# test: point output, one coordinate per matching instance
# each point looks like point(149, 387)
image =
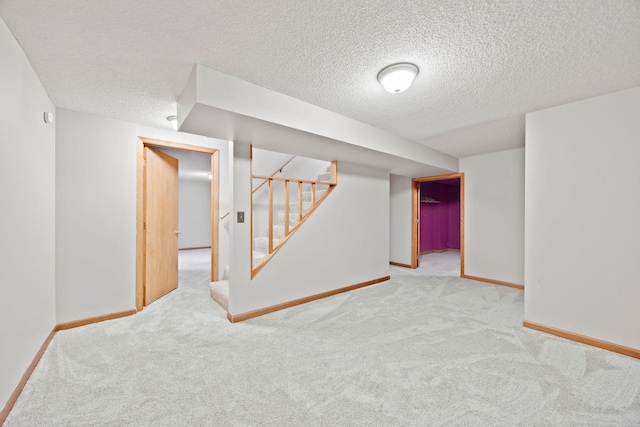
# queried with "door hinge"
point(144, 226)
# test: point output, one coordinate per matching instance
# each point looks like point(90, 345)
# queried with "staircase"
point(281, 224)
point(261, 244)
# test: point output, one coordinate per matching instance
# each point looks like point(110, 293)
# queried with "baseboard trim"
point(96, 319)
point(23, 381)
point(399, 264)
point(605, 345)
point(492, 281)
point(233, 318)
point(59, 327)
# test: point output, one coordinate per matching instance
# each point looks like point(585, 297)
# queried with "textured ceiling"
point(483, 64)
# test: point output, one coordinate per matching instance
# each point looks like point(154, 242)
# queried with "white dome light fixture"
point(397, 78)
point(174, 122)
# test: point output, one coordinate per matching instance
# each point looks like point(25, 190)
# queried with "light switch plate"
point(240, 216)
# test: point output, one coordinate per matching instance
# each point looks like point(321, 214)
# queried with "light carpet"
point(413, 351)
point(435, 264)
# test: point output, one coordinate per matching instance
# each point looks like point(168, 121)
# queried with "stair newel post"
point(299, 202)
point(270, 238)
point(286, 208)
point(334, 172)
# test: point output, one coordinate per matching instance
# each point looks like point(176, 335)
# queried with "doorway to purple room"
point(438, 209)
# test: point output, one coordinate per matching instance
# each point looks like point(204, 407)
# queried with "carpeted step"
point(293, 218)
point(278, 232)
point(260, 244)
point(319, 187)
point(293, 207)
point(261, 248)
point(326, 176)
point(306, 195)
point(220, 293)
point(258, 255)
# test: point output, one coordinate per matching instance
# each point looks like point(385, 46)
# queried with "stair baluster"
point(286, 207)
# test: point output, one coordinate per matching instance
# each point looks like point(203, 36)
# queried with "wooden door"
point(161, 224)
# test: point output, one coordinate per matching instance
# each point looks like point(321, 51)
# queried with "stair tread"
point(258, 255)
point(326, 176)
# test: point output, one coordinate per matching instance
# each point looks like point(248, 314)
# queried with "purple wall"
point(440, 222)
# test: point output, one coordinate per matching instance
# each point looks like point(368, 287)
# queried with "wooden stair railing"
point(302, 215)
point(279, 169)
point(223, 216)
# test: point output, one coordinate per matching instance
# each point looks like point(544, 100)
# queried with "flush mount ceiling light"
point(174, 121)
point(397, 78)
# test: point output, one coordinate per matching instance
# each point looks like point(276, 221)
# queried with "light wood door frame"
point(141, 209)
point(415, 216)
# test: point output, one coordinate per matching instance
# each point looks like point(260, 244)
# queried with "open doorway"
point(438, 225)
point(194, 217)
point(157, 229)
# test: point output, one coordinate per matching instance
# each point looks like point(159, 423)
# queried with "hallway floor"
point(434, 264)
point(194, 268)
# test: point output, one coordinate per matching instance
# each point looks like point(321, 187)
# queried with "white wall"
point(400, 219)
point(344, 242)
point(265, 161)
point(96, 212)
point(194, 213)
point(303, 168)
point(95, 216)
point(582, 207)
point(27, 212)
point(494, 215)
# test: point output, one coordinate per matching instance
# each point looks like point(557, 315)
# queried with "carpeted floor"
point(416, 350)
